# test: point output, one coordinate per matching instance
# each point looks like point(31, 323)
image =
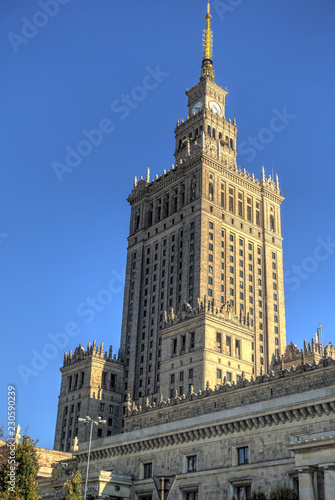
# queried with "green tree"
point(18, 473)
point(283, 493)
point(72, 487)
point(258, 495)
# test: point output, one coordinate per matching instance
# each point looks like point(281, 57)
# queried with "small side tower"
point(91, 385)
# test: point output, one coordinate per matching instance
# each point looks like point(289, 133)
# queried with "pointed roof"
point(207, 70)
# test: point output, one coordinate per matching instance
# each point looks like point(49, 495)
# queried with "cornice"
point(221, 427)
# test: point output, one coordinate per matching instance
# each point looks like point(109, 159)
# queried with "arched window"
point(179, 146)
point(150, 218)
point(222, 195)
point(193, 189)
point(137, 224)
point(210, 191)
point(166, 205)
point(213, 133)
point(182, 195)
point(231, 144)
point(272, 223)
point(209, 130)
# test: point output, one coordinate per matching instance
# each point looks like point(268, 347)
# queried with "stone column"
point(329, 474)
point(306, 490)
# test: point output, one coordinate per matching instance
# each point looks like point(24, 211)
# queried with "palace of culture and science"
point(204, 393)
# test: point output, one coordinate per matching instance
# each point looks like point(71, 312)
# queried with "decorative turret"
point(92, 350)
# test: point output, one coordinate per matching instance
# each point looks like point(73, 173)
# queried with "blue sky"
point(63, 235)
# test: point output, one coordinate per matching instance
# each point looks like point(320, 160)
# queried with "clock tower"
point(206, 109)
point(204, 291)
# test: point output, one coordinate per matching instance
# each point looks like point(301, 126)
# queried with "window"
point(229, 377)
point(219, 373)
point(102, 406)
point(192, 341)
point(190, 373)
point(191, 463)
point(99, 433)
point(242, 491)
point(110, 409)
point(243, 455)
point(192, 495)
point(147, 470)
point(172, 379)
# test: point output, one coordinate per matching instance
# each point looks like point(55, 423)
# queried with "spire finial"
point(207, 60)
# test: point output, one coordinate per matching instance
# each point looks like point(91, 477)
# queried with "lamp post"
point(90, 421)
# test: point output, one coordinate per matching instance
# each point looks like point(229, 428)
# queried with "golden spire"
point(207, 61)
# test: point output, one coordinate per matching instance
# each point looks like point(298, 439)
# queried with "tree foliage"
point(283, 493)
point(18, 473)
point(258, 495)
point(72, 487)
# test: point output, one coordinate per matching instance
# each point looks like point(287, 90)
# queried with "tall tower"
point(204, 291)
point(92, 381)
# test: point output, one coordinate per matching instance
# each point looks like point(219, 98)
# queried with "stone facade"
point(205, 228)
point(223, 442)
point(92, 383)
point(204, 388)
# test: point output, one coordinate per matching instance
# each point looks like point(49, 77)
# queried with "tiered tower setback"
point(204, 237)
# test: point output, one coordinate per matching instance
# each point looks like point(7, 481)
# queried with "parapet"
point(135, 409)
point(94, 351)
point(186, 311)
point(310, 353)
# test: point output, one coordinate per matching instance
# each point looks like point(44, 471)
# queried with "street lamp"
point(90, 421)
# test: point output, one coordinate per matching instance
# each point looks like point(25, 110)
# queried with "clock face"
point(215, 107)
point(197, 107)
